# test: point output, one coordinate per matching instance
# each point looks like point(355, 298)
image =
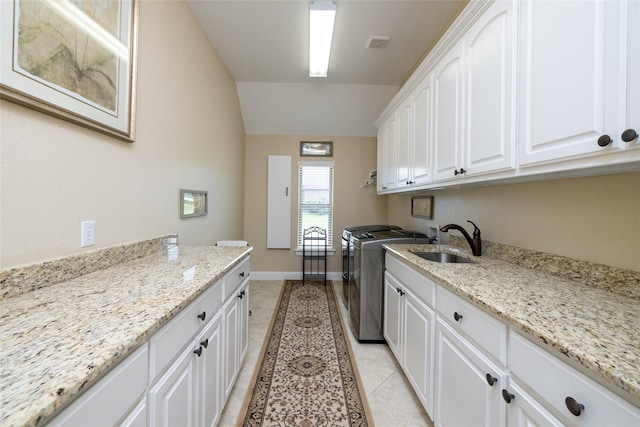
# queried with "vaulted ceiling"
point(264, 44)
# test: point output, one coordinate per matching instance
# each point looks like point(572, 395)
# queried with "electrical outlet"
point(88, 233)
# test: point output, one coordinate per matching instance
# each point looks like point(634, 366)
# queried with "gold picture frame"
point(72, 60)
point(193, 203)
point(422, 207)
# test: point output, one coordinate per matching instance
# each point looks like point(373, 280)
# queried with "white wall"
point(54, 174)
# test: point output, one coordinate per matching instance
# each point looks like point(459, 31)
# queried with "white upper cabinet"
point(404, 143)
point(422, 124)
point(387, 168)
point(572, 79)
point(447, 112)
point(632, 119)
point(489, 132)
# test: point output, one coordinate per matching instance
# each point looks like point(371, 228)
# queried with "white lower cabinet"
point(409, 328)
point(470, 368)
point(183, 375)
point(524, 411)
point(467, 384)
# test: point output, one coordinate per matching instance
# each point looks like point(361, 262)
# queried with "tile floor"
point(391, 398)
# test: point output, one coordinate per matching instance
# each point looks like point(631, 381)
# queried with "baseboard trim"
point(288, 275)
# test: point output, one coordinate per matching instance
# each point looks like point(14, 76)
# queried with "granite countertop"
point(598, 330)
point(57, 341)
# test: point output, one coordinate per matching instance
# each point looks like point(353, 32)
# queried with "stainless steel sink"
point(442, 257)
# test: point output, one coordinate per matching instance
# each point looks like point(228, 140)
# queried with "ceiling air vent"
point(377, 42)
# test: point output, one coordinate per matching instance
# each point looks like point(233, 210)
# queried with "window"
point(315, 198)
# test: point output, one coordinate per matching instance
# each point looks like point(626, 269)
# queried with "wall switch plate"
point(88, 233)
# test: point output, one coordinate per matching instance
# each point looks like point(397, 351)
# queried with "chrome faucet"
point(475, 243)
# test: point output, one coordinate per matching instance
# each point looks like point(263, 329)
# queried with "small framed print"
point(320, 149)
point(422, 207)
point(193, 203)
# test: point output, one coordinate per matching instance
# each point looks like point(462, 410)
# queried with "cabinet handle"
point(629, 135)
point(604, 140)
point(573, 406)
point(198, 351)
point(491, 380)
point(508, 397)
point(400, 291)
point(205, 343)
point(202, 315)
point(242, 274)
point(410, 182)
point(240, 295)
point(457, 316)
point(459, 172)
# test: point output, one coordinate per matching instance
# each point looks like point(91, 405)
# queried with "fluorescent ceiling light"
point(322, 14)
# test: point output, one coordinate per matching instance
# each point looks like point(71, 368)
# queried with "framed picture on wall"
point(73, 60)
point(193, 203)
point(422, 207)
point(319, 148)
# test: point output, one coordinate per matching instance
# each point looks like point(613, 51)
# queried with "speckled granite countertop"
point(57, 340)
point(598, 329)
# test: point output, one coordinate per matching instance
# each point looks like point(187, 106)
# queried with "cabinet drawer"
point(110, 398)
point(421, 286)
point(235, 277)
point(489, 333)
point(167, 342)
point(554, 381)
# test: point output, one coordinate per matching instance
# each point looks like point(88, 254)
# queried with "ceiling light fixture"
point(322, 14)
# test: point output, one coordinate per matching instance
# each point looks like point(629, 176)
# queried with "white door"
point(490, 83)
point(173, 399)
point(279, 202)
point(419, 321)
point(524, 411)
point(570, 73)
point(392, 314)
point(403, 142)
point(422, 124)
point(447, 111)
point(231, 337)
point(463, 396)
point(210, 377)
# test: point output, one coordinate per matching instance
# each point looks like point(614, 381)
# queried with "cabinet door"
point(571, 70)
point(419, 321)
point(172, 400)
point(490, 80)
point(403, 142)
point(392, 314)
point(463, 396)
point(231, 328)
point(525, 411)
point(210, 399)
point(632, 119)
point(447, 109)
point(137, 417)
point(389, 167)
point(243, 313)
point(279, 202)
point(422, 124)
point(382, 156)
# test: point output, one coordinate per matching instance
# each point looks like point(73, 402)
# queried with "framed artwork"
point(193, 203)
point(422, 207)
point(321, 149)
point(73, 60)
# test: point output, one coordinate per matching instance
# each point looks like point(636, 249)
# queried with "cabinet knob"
point(457, 316)
point(242, 274)
point(508, 397)
point(205, 343)
point(240, 295)
point(573, 406)
point(491, 380)
point(459, 172)
point(400, 291)
point(198, 351)
point(604, 140)
point(202, 315)
point(410, 182)
point(629, 135)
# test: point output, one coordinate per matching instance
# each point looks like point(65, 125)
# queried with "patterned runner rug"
point(306, 375)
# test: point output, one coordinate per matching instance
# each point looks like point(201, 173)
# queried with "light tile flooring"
point(391, 398)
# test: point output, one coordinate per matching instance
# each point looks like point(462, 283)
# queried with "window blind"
point(315, 198)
